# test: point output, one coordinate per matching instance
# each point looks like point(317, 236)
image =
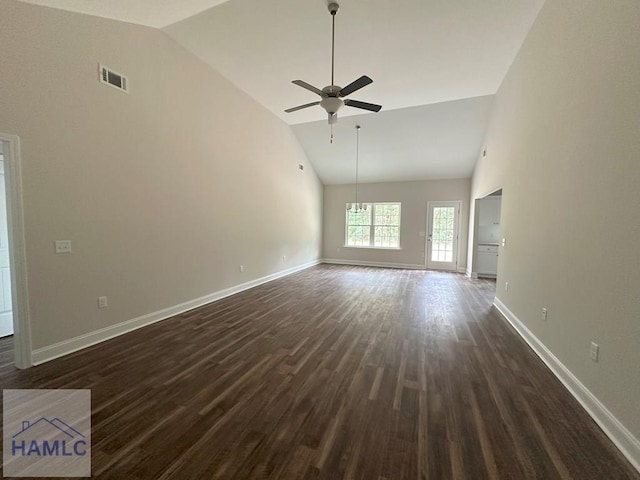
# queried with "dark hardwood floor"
point(333, 372)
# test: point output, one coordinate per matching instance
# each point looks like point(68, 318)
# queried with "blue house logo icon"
point(48, 438)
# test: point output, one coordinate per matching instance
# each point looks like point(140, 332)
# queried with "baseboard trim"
point(616, 431)
point(359, 263)
point(60, 349)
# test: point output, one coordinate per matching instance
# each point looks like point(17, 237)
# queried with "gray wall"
point(414, 197)
point(163, 192)
point(564, 144)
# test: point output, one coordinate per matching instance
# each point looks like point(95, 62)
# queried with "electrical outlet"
point(102, 302)
point(63, 246)
point(241, 268)
point(506, 286)
point(504, 242)
point(594, 351)
point(544, 314)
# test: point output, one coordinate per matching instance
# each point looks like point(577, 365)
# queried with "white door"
point(442, 238)
point(6, 317)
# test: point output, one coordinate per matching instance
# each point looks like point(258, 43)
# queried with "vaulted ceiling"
point(435, 65)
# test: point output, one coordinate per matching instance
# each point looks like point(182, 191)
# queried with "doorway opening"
point(487, 235)
point(443, 225)
point(14, 303)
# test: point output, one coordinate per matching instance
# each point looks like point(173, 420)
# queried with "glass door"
point(442, 237)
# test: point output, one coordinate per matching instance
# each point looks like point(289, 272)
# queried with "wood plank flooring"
point(334, 372)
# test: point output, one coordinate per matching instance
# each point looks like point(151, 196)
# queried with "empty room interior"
point(318, 240)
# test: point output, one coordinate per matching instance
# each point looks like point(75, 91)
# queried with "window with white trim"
point(376, 227)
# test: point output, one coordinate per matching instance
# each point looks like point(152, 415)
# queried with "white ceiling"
point(416, 51)
point(428, 53)
point(151, 13)
point(430, 141)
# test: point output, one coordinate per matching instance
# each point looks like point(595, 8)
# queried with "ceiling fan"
point(333, 94)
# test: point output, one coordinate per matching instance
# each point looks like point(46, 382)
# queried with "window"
point(376, 227)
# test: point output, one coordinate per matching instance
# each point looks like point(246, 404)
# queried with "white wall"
point(414, 197)
point(163, 192)
point(564, 144)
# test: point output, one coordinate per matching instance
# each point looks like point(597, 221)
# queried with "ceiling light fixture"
point(331, 95)
point(357, 207)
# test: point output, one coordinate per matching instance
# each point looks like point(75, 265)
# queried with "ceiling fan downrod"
point(333, 9)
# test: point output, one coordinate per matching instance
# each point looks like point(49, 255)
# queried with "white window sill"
point(371, 247)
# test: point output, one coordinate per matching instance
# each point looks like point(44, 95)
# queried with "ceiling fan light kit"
point(332, 95)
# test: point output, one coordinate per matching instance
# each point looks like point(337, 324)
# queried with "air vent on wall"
point(113, 79)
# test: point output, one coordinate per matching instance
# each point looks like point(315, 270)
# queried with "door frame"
point(456, 249)
point(17, 250)
point(472, 266)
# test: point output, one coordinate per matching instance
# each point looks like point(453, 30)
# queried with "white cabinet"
point(496, 211)
point(487, 260)
point(490, 211)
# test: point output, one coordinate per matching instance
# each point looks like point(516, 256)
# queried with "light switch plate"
point(63, 246)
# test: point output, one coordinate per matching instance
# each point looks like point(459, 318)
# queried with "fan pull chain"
point(331, 139)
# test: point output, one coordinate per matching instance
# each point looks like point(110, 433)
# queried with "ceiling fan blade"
point(304, 84)
point(300, 107)
point(363, 81)
point(363, 105)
